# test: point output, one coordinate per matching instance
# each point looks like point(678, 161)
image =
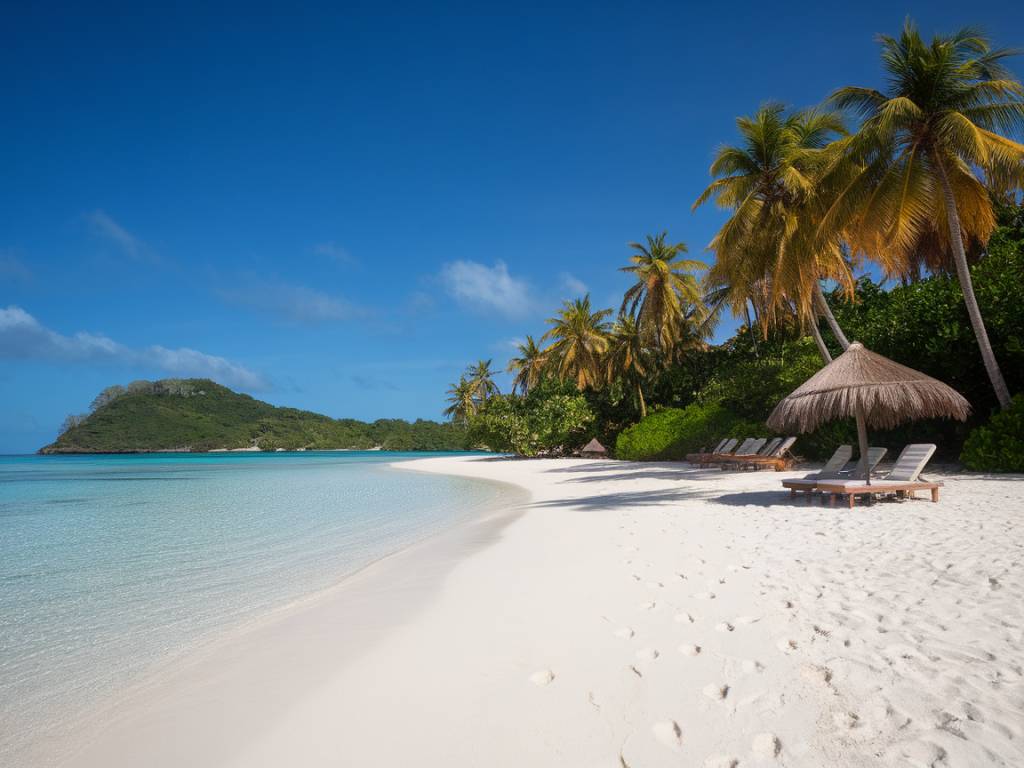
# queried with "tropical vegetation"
point(891, 214)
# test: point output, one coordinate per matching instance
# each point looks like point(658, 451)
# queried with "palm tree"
point(481, 379)
point(462, 401)
point(579, 339)
point(665, 287)
point(627, 356)
point(926, 146)
point(528, 368)
point(769, 251)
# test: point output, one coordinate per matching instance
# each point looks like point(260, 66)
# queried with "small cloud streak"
point(334, 252)
point(573, 284)
point(487, 288)
point(106, 228)
point(294, 303)
point(22, 337)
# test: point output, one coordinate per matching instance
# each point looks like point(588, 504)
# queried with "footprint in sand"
point(705, 596)
point(647, 654)
point(685, 618)
point(655, 584)
point(721, 761)
point(625, 633)
point(725, 626)
point(752, 665)
point(542, 678)
point(766, 746)
point(787, 646)
point(716, 691)
point(669, 733)
point(746, 620)
point(648, 606)
point(689, 650)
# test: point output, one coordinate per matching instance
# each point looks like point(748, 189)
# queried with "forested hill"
point(201, 415)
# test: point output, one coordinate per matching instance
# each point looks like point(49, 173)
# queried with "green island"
point(201, 415)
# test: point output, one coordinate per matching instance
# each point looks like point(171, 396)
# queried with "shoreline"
point(640, 615)
point(178, 681)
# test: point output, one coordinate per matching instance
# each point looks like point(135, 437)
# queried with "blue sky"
point(338, 208)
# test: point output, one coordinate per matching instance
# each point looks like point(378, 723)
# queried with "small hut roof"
point(594, 447)
point(885, 392)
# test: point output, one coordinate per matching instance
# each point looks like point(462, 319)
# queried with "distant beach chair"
point(831, 471)
point(724, 445)
point(711, 459)
point(903, 479)
point(777, 456)
point(756, 449)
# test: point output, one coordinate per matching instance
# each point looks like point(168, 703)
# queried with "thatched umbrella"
point(874, 390)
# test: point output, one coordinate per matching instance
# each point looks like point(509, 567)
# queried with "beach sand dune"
point(648, 615)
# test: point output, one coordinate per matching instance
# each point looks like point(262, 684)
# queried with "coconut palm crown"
point(665, 289)
point(628, 357)
point(528, 368)
point(769, 250)
point(461, 401)
point(579, 339)
point(481, 379)
point(927, 147)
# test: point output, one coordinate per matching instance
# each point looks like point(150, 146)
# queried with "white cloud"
point(487, 288)
point(334, 252)
point(104, 226)
point(295, 303)
point(573, 285)
point(22, 337)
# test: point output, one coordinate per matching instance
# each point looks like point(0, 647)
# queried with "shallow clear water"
point(110, 564)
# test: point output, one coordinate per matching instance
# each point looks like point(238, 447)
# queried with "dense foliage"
point(199, 415)
point(671, 433)
point(999, 445)
point(552, 418)
point(924, 324)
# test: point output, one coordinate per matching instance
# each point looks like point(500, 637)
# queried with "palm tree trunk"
point(964, 274)
point(822, 349)
point(750, 328)
point(823, 306)
point(643, 405)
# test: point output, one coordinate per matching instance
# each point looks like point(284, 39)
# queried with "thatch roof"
point(594, 447)
point(885, 392)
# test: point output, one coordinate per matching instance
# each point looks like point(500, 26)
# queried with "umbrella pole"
point(862, 439)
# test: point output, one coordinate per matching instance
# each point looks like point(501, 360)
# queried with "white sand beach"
point(631, 615)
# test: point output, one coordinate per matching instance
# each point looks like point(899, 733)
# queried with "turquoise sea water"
point(112, 564)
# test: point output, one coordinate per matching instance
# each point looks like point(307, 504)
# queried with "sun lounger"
point(724, 445)
point(903, 479)
point(753, 449)
point(848, 472)
point(745, 448)
point(831, 471)
point(764, 449)
point(778, 458)
point(724, 450)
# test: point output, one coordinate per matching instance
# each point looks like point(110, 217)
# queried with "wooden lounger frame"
point(901, 489)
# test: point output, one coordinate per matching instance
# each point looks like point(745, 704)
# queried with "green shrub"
point(671, 433)
point(998, 446)
point(552, 418)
